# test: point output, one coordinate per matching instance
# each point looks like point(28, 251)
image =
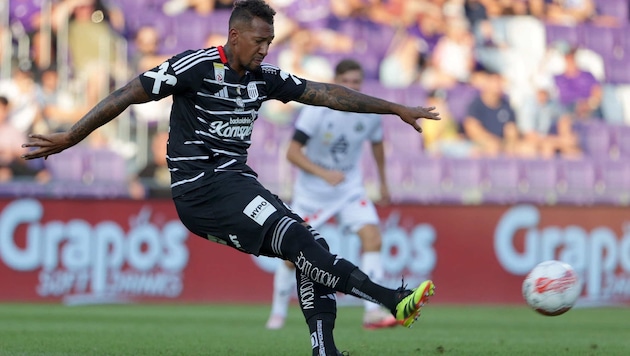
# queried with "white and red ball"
point(552, 288)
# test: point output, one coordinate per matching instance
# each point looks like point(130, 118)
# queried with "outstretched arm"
point(340, 98)
point(104, 112)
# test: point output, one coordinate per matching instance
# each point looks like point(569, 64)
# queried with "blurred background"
point(531, 157)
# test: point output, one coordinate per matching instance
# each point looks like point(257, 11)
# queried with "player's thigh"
point(358, 213)
point(237, 211)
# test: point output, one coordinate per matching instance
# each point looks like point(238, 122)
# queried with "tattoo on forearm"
point(108, 109)
point(340, 98)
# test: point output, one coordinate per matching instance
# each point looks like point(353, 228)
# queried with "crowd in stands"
point(520, 84)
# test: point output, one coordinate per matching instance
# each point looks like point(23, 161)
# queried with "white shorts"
point(351, 214)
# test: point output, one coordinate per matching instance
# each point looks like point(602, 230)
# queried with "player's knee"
point(295, 238)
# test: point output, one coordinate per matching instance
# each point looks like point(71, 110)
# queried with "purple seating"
point(600, 39)
point(613, 182)
point(539, 181)
point(594, 138)
point(502, 177)
point(617, 68)
point(458, 100)
point(576, 179)
point(614, 8)
point(427, 175)
point(621, 141)
point(400, 138)
point(67, 166)
point(556, 33)
point(462, 181)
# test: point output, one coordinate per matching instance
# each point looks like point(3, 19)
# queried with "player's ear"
point(233, 35)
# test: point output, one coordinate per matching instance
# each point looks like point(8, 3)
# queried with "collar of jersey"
point(222, 55)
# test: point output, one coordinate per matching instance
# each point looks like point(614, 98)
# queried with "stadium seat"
point(576, 181)
point(595, 138)
point(462, 182)
point(600, 39)
point(559, 33)
point(539, 181)
point(458, 99)
point(614, 8)
point(621, 141)
point(427, 175)
point(501, 180)
point(613, 182)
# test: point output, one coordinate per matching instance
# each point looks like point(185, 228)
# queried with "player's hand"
point(334, 177)
point(47, 144)
point(411, 115)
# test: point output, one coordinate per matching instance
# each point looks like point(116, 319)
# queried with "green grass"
point(239, 330)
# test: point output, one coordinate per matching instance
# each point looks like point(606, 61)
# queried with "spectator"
point(547, 126)
point(445, 139)
point(569, 12)
point(579, 91)
point(153, 180)
point(146, 53)
point(59, 107)
point(202, 7)
point(453, 58)
point(11, 139)
point(21, 91)
point(491, 123)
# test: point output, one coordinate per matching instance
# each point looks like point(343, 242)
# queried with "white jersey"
point(336, 141)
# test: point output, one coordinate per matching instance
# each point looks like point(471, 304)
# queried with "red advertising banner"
point(92, 251)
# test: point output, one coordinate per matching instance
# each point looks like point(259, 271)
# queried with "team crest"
point(252, 91)
point(219, 72)
point(239, 102)
point(358, 127)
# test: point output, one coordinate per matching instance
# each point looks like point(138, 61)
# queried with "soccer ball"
point(551, 288)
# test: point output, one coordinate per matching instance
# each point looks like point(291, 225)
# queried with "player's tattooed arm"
point(108, 109)
point(105, 111)
point(338, 97)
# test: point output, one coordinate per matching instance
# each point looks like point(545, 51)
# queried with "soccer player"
point(327, 146)
point(217, 93)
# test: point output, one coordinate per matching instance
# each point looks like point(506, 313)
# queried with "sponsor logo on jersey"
point(225, 130)
point(259, 210)
point(219, 72)
point(252, 91)
point(160, 76)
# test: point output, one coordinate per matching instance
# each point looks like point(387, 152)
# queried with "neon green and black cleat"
point(408, 309)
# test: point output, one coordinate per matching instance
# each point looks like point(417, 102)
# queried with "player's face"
point(351, 79)
point(252, 43)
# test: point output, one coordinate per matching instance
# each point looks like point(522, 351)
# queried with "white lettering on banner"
point(599, 256)
point(75, 257)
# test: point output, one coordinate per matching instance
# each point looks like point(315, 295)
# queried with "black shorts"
point(236, 211)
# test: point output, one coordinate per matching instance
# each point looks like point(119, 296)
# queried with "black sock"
point(321, 327)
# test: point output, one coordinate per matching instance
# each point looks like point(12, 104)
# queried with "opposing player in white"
point(327, 147)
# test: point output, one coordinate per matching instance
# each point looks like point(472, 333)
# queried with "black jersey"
point(213, 112)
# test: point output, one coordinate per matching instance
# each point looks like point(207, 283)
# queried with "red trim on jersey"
point(222, 54)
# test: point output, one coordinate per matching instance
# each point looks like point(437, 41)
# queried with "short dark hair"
point(347, 65)
point(246, 10)
point(4, 101)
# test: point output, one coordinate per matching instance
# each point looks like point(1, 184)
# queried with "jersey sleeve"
point(282, 85)
point(377, 132)
point(177, 75)
point(309, 119)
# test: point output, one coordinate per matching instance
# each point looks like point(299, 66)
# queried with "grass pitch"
point(239, 330)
